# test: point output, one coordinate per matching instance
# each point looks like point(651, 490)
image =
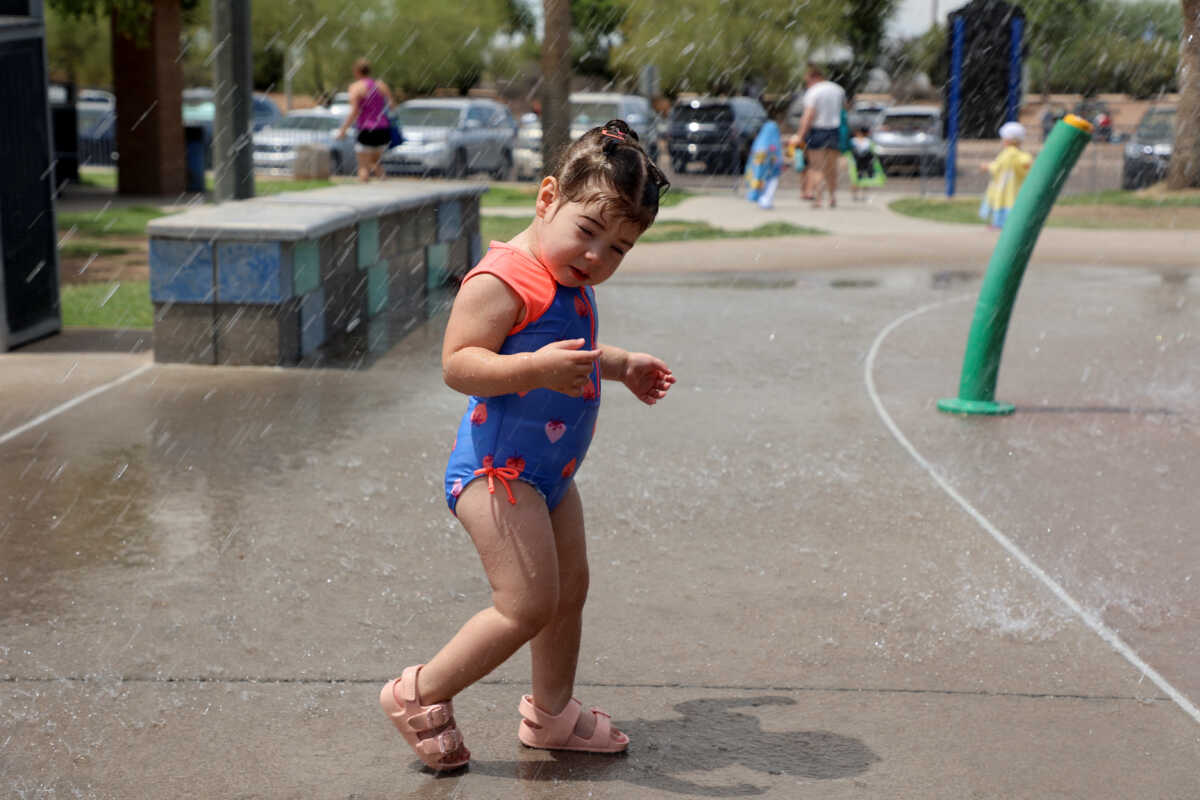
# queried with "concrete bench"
point(296, 277)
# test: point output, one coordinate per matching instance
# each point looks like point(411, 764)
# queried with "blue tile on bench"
point(253, 272)
point(181, 271)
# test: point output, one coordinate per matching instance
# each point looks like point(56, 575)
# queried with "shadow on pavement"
point(710, 735)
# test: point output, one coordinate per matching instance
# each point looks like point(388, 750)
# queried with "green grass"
point(958, 209)
point(685, 230)
point(107, 305)
point(525, 195)
point(492, 227)
point(106, 178)
point(966, 209)
point(126, 221)
point(500, 229)
point(1117, 197)
point(100, 177)
point(83, 248)
point(509, 196)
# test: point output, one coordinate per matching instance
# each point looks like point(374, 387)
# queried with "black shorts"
point(822, 138)
point(375, 137)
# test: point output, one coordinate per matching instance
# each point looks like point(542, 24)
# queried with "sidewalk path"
point(869, 234)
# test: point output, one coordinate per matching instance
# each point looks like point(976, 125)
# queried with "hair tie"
point(618, 135)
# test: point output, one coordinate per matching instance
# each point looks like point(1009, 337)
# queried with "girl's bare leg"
point(517, 546)
point(364, 165)
point(555, 650)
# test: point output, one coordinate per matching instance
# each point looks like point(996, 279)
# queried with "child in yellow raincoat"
point(1008, 172)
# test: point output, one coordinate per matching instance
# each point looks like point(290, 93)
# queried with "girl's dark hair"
point(608, 165)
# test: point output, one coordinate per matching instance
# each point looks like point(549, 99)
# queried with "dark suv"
point(1148, 152)
point(715, 130)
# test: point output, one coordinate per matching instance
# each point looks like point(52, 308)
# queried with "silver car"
point(911, 136)
point(589, 109)
point(453, 136)
point(275, 145)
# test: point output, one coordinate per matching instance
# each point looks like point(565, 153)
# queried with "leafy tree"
point(1050, 27)
point(79, 48)
point(722, 46)
point(518, 18)
point(414, 45)
point(906, 59)
point(593, 25)
point(864, 23)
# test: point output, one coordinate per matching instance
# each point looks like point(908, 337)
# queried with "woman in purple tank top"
point(369, 103)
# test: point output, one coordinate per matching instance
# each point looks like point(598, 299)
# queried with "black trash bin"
point(193, 137)
point(65, 124)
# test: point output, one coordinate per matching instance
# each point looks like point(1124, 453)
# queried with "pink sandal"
point(557, 732)
point(429, 730)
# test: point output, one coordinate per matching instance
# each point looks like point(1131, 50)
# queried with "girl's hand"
point(565, 368)
point(647, 377)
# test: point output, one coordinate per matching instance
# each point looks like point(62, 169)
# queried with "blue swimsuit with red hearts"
point(539, 436)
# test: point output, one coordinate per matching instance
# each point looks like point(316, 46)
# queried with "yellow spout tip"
point(1078, 122)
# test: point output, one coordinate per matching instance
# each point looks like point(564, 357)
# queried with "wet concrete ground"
point(209, 572)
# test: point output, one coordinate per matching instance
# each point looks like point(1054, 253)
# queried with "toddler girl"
point(521, 342)
point(1008, 172)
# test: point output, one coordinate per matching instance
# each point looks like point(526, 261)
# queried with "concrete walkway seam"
point(67, 406)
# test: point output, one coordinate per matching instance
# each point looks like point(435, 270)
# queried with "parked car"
point(340, 104)
point(588, 109)
point(1148, 151)
point(865, 114)
point(1050, 118)
point(453, 136)
point(527, 151)
point(1097, 113)
point(715, 130)
point(911, 136)
point(275, 145)
point(199, 110)
point(97, 97)
point(96, 132)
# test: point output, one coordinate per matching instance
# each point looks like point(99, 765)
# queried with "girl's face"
point(581, 244)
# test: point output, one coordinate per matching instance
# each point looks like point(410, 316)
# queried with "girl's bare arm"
point(485, 310)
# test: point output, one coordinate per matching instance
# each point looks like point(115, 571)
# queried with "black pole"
point(232, 146)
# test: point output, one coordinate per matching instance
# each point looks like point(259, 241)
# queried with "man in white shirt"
point(819, 127)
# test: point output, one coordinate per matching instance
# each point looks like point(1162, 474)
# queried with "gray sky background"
point(913, 17)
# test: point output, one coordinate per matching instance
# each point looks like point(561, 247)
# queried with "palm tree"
point(556, 81)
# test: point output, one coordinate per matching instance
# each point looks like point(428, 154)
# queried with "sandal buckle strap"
point(431, 717)
point(443, 744)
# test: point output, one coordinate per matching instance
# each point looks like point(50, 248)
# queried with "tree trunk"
point(1185, 159)
point(148, 83)
point(556, 82)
